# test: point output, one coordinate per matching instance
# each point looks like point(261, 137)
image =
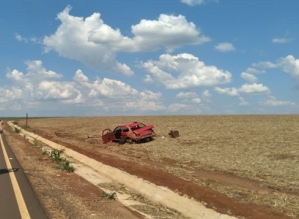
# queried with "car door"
point(107, 136)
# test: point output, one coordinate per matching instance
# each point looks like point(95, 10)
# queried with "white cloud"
point(189, 96)
point(149, 101)
point(196, 100)
point(168, 31)
point(73, 39)
point(111, 88)
point(225, 47)
point(47, 88)
point(186, 95)
point(245, 88)
point(15, 75)
point(26, 40)
point(53, 90)
point(80, 77)
point(228, 91)
point(249, 77)
point(253, 88)
point(197, 2)
point(20, 38)
point(177, 107)
point(272, 101)
point(206, 93)
point(148, 79)
point(96, 44)
point(254, 71)
point(191, 72)
point(288, 64)
point(281, 40)
point(36, 71)
point(265, 65)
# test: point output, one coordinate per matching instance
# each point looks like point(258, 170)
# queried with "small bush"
point(55, 155)
point(112, 195)
point(64, 164)
point(36, 144)
point(45, 152)
point(17, 130)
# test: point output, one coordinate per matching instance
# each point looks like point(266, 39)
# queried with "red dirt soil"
point(212, 199)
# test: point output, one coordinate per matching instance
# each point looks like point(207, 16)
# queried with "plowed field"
point(247, 166)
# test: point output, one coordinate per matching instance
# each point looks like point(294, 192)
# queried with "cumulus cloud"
point(52, 90)
point(111, 88)
point(96, 44)
point(185, 71)
point(40, 88)
point(228, 91)
point(281, 40)
point(168, 31)
point(288, 64)
point(176, 107)
point(254, 71)
point(196, 100)
point(249, 77)
point(225, 47)
point(272, 101)
point(253, 88)
point(206, 95)
point(186, 95)
point(148, 79)
point(265, 65)
point(35, 72)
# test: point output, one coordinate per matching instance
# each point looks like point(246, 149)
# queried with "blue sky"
point(148, 57)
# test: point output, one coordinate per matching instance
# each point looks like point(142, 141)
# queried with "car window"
point(117, 129)
point(125, 129)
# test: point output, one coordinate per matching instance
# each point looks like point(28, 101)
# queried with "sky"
point(148, 57)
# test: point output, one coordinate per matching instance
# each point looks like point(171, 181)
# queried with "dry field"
point(252, 159)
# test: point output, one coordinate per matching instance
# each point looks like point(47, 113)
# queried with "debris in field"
point(174, 133)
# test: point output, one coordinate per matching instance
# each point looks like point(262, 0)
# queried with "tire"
point(129, 140)
point(122, 141)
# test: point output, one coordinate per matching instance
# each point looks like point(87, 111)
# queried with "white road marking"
point(18, 194)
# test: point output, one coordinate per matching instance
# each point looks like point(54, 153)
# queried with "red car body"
point(128, 132)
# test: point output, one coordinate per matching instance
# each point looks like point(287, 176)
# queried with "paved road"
point(17, 199)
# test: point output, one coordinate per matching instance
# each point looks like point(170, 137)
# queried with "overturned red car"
point(129, 132)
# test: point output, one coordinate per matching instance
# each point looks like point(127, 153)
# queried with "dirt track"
point(186, 176)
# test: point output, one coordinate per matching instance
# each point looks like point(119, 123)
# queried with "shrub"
point(111, 195)
point(64, 164)
point(17, 130)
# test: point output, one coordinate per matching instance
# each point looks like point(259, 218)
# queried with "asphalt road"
point(17, 199)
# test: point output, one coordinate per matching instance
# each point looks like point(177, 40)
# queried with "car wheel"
point(129, 140)
point(122, 141)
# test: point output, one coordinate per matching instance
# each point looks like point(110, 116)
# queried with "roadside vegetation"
point(54, 154)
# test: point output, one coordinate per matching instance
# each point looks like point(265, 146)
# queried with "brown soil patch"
point(63, 195)
point(246, 166)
